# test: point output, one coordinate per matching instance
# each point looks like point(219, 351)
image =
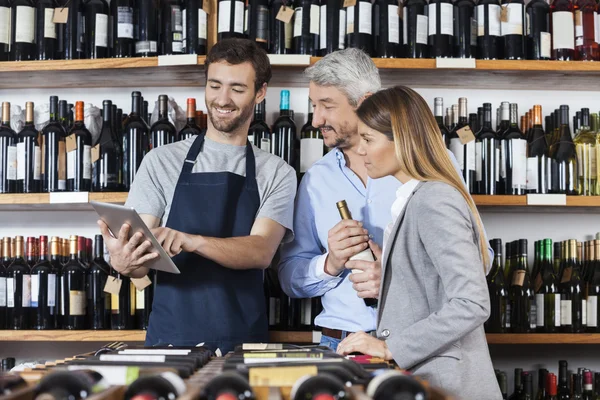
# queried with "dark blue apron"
point(207, 302)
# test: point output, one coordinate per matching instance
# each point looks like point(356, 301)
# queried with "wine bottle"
point(489, 43)
point(29, 156)
point(551, 387)
point(6, 244)
point(498, 292)
point(231, 19)
point(311, 143)
point(441, 28)
point(512, 17)
point(171, 41)
point(57, 266)
point(486, 155)
point(359, 26)
point(135, 141)
point(284, 132)
point(167, 385)
point(259, 132)
point(332, 34)
point(146, 44)
point(8, 153)
point(123, 29)
point(527, 386)
point(473, 123)
point(542, 377)
point(386, 29)
point(518, 385)
point(195, 23)
point(76, 385)
point(585, 147)
point(54, 154)
point(46, 30)
point(415, 26)
point(365, 255)
point(588, 392)
point(71, 37)
point(563, 30)
point(465, 35)
point(564, 158)
point(143, 303)
point(521, 293)
point(258, 23)
point(586, 47)
point(464, 153)
point(96, 29)
point(18, 289)
point(547, 294)
point(5, 33)
point(228, 385)
point(438, 111)
point(537, 161)
point(23, 44)
point(43, 291)
point(593, 291)
point(107, 156)
point(281, 32)
point(121, 304)
point(190, 130)
point(514, 156)
point(563, 392)
point(539, 40)
point(74, 285)
point(82, 251)
point(321, 386)
point(306, 27)
point(162, 132)
point(98, 302)
point(79, 154)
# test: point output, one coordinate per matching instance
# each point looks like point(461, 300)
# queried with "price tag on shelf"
point(285, 14)
point(61, 15)
point(69, 197)
point(546, 199)
point(141, 283)
point(113, 285)
point(177, 59)
point(465, 135)
point(455, 63)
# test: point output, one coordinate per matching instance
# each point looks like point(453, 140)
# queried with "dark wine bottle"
point(464, 153)
point(564, 392)
point(143, 303)
point(539, 40)
point(98, 302)
point(123, 28)
point(496, 323)
point(23, 44)
point(54, 153)
point(228, 385)
point(57, 266)
point(323, 385)
point(146, 44)
point(359, 26)
point(135, 141)
point(465, 29)
point(6, 249)
point(195, 31)
point(332, 34)
point(122, 306)
point(171, 37)
point(29, 155)
point(96, 29)
point(441, 28)
point(43, 291)
point(284, 133)
point(231, 19)
point(572, 299)
point(486, 155)
point(18, 289)
point(8, 153)
point(71, 37)
point(593, 291)
point(259, 133)
point(46, 30)
point(74, 385)
point(547, 295)
point(521, 293)
point(306, 27)
point(31, 251)
point(563, 171)
point(162, 132)
point(395, 385)
point(518, 390)
point(190, 129)
point(281, 32)
point(311, 143)
point(439, 118)
point(563, 30)
point(586, 47)
point(514, 156)
point(512, 17)
point(167, 385)
point(538, 162)
point(258, 23)
point(415, 29)
point(106, 176)
point(74, 285)
point(79, 154)
point(489, 43)
point(386, 29)
point(5, 33)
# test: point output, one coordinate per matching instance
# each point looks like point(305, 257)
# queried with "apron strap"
point(192, 154)
point(250, 168)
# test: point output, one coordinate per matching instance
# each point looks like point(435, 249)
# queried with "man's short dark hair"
point(238, 51)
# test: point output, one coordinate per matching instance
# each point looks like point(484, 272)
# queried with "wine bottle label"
point(342, 36)
point(566, 313)
point(76, 302)
point(25, 25)
point(446, 19)
point(49, 25)
point(478, 162)
point(87, 162)
point(184, 21)
point(2, 292)
point(146, 47)
point(239, 17)
point(563, 26)
point(5, 25)
point(10, 292)
point(393, 25)
point(514, 23)
point(532, 315)
point(132, 358)
point(35, 290)
point(493, 20)
point(101, 37)
point(289, 35)
point(592, 311)
point(311, 151)
point(20, 161)
point(125, 22)
point(80, 31)
point(498, 163)
point(202, 24)
point(578, 28)
point(114, 303)
point(265, 145)
point(584, 312)
point(473, 32)
point(507, 319)
point(519, 163)
point(51, 290)
point(503, 160)
point(365, 17)
point(422, 22)
point(37, 159)
point(12, 163)
point(323, 28)
point(177, 24)
point(224, 16)
point(315, 15)
point(539, 304)
point(62, 294)
point(140, 301)
point(470, 151)
point(457, 148)
point(350, 20)
point(596, 31)
point(306, 312)
point(71, 160)
point(26, 291)
point(518, 277)
point(298, 22)
point(557, 313)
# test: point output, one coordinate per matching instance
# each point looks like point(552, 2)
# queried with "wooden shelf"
point(42, 201)
point(575, 204)
point(543, 338)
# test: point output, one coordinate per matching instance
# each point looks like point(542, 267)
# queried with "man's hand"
point(126, 255)
point(363, 343)
point(345, 240)
point(174, 242)
point(368, 280)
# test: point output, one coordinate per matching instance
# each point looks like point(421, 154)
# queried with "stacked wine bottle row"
point(520, 156)
point(61, 284)
point(580, 385)
point(559, 294)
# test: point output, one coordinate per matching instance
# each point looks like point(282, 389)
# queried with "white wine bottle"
point(365, 255)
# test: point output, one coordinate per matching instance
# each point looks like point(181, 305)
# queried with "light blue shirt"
point(301, 270)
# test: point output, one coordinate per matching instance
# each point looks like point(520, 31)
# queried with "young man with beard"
point(219, 206)
point(317, 262)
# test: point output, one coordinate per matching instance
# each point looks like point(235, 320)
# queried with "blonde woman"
point(433, 297)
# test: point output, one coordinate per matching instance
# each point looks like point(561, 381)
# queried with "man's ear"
point(261, 94)
point(363, 98)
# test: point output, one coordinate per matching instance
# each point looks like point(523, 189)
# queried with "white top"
point(402, 195)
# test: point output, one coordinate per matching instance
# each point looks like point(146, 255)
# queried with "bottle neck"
point(136, 105)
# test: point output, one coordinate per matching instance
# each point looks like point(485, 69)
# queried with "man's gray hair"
point(351, 71)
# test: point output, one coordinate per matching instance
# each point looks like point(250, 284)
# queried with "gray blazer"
point(434, 297)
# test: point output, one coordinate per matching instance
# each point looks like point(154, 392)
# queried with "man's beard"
point(341, 139)
point(232, 125)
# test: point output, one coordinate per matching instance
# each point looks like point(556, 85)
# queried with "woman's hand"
point(361, 342)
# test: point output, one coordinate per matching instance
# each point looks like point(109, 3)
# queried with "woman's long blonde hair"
point(405, 118)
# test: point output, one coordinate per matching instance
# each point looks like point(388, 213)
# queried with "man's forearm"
point(246, 252)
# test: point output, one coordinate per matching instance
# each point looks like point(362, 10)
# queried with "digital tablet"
point(115, 216)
